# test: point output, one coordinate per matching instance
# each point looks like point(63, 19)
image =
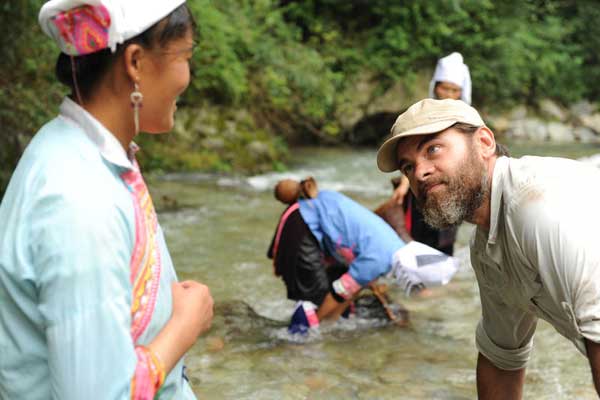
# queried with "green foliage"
point(223, 74)
point(214, 139)
point(249, 56)
point(585, 17)
point(517, 50)
point(296, 69)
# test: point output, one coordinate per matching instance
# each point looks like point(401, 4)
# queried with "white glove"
point(418, 265)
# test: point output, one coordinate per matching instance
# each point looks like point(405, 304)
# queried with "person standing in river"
point(535, 250)
point(90, 307)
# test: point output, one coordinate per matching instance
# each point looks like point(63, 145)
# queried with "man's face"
point(446, 174)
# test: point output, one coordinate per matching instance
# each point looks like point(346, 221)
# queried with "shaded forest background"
point(269, 75)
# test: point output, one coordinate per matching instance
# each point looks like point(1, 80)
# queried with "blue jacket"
point(352, 234)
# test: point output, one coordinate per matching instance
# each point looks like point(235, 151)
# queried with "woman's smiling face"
point(165, 78)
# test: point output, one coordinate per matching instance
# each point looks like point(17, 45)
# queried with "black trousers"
point(300, 262)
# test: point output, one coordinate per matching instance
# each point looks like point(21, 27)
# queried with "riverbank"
point(218, 139)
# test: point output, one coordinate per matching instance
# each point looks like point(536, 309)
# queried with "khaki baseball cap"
point(425, 117)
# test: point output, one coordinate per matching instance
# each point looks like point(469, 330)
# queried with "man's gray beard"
point(464, 194)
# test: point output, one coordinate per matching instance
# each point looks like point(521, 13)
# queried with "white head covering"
point(452, 69)
point(85, 26)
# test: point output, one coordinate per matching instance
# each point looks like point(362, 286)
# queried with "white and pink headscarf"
point(85, 26)
point(452, 69)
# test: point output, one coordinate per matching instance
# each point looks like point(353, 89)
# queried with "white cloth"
point(540, 258)
point(128, 18)
point(452, 69)
point(417, 264)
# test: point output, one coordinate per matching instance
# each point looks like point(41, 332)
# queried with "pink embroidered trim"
point(311, 316)
point(148, 377)
point(346, 286)
point(140, 239)
point(145, 264)
point(282, 222)
point(84, 29)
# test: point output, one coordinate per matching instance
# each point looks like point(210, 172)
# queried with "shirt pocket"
point(489, 275)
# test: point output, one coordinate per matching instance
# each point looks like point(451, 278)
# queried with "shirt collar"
point(496, 197)
point(108, 145)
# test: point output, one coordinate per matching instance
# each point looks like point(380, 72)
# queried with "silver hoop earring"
point(136, 98)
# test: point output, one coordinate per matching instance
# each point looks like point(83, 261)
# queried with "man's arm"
point(593, 352)
point(504, 338)
point(494, 383)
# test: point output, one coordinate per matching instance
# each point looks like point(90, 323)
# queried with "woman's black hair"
point(90, 68)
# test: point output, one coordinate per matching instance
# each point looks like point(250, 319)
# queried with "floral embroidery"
point(149, 375)
point(84, 29)
point(144, 275)
point(346, 286)
point(145, 260)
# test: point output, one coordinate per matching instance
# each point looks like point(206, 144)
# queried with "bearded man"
point(535, 251)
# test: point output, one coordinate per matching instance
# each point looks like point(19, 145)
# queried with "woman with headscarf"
point(451, 79)
point(90, 307)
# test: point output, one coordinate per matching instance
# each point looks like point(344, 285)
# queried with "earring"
point(136, 98)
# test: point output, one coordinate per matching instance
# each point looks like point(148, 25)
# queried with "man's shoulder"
point(544, 193)
point(541, 168)
point(533, 178)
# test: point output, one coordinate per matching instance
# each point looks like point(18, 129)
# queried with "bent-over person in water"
point(327, 247)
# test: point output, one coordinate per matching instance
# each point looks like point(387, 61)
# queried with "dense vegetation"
point(268, 73)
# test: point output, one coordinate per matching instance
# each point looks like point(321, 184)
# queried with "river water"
point(218, 230)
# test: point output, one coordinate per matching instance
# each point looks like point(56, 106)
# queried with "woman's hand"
point(192, 309)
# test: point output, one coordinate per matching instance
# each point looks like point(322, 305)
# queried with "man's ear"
point(133, 59)
point(487, 142)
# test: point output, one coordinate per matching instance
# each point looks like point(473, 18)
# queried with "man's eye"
point(433, 149)
point(406, 169)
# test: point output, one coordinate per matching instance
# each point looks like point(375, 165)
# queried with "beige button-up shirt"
point(540, 258)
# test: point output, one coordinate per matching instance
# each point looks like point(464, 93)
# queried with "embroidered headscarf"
point(452, 69)
point(82, 27)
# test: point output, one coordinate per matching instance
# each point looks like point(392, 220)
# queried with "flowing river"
point(218, 230)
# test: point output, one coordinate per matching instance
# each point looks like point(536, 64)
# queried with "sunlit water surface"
point(218, 230)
